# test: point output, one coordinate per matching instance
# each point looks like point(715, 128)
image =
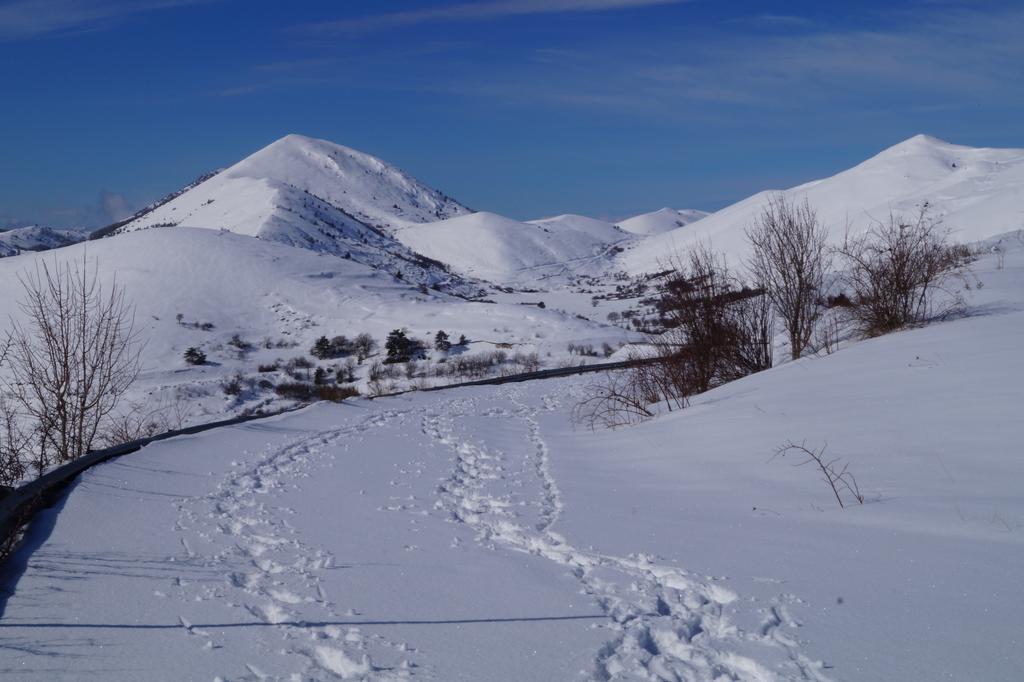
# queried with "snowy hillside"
point(476, 534)
point(261, 290)
point(662, 220)
point(317, 195)
point(491, 247)
point(36, 238)
point(245, 197)
point(978, 193)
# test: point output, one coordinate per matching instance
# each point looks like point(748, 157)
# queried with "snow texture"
point(477, 534)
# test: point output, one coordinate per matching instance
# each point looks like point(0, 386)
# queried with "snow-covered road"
point(412, 537)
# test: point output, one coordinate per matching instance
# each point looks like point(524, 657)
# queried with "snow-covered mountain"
point(321, 196)
point(250, 196)
point(662, 220)
point(978, 192)
point(495, 248)
point(312, 194)
point(36, 238)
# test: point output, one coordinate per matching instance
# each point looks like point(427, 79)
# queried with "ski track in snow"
point(665, 623)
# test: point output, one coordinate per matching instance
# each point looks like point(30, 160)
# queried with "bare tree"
point(72, 358)
point(897, 269)
point(694, 305)
point(790, 260)
point(12, 436)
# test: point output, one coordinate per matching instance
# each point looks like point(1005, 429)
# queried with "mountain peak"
point(919, 144)
point(262, 191)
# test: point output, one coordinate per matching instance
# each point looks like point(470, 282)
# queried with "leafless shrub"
point(14, 445)
point(306, 392)
point(241, 346)
point(789, 262)
point(717, 331)
point(753, 319)
point(828, 332)
point(833, 471)
point(13, 439)
point(902, 273)
point(378, 387)
point(528, 362)
point(233, 385)
point(617, 399)
point(142, 420)
point(583, 349)
point(721, 330)
point(335, 393)
point(363, 346)
point(346, 373)
point(626, 396)
point(72, 359)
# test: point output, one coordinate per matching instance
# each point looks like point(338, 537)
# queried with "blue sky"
point(523, 107)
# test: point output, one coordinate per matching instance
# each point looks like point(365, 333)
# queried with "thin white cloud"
point(21, 19)
point(475, 11)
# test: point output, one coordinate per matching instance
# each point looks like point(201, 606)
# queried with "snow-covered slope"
point(499, 249)
point(476, 534)
point(259, 289)
point(581, 223)
point(978, 192)
point(662, 220)
point(246, 197)
point(36, 238)
point(312, 194)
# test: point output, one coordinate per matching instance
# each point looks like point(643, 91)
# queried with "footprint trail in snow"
point(667, 624)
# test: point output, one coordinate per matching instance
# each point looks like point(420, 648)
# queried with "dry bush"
point(142, 420)
point(789, 262)
point(718, 331)
point(379, 387)
point(306, 392)
point(335, 393)
point(833, 471)
point(13, 439)
point(617, 399)
point(829, 331)
point(753, 318)
point(71, 360)
point(902, 273)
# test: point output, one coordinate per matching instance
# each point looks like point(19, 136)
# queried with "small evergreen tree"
point(319, 376)
point(398, 346)
point(462, 340)
point(321, 348)
point(441, 341)
point(194, 356)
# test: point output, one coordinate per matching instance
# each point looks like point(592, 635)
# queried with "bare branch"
point(839, 479)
